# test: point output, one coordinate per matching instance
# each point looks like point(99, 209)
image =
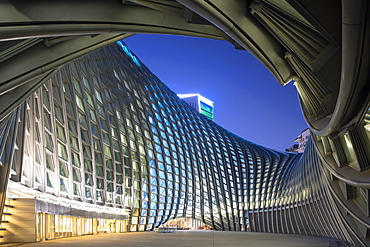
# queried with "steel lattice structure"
point(104, 130)
point(61, 138)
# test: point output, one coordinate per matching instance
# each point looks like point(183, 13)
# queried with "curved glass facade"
point(104, 131)
point(101, 145)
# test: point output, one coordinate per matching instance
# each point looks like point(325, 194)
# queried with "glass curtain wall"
point(57, 226)
point(106, 131)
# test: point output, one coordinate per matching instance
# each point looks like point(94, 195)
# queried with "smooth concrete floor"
point(187, 239)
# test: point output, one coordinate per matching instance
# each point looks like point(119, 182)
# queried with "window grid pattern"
point(106, 131)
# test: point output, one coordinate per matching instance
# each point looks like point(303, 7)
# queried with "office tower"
point(199, 103)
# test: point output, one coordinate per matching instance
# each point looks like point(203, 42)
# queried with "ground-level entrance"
point(45, 217)
point(58, 226)
point(187, 224)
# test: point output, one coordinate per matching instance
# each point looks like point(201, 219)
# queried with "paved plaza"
point(187, 239)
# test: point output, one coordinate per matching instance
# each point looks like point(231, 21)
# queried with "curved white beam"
point(232, 18)
point(353, 82)
point(47, 19)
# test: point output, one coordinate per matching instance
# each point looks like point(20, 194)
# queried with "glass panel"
point(70, 109)
point(88, 165)
point(47, 120)
point(118, 168)
point(49, 162)
point(49, 179)
point(45, 97)
point(89, 99)
point(92, 115)
point(72, 126)
point(99, 196)
point(63, 170)
point(89, 179)
point(98, 95)
point(88, 192)
point(109, 164)
point(76, 85)
point(98, 158)
point(49, 142)
point(63, 185)
point(99, 171)
point(109, 187)
point(59, 114)
point(76, 175)
point(86, 149)
point(85, 136)
point(109, 175)
point(82, 120)
point(107, 151)
point(60, 133)
point(73, 142)
point(76, 189)
point(75, 159)
point(99, 183)
point(62, 151)
point(119, 179)
point(79, 103)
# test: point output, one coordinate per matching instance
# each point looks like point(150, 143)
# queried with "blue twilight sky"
point(248, 99)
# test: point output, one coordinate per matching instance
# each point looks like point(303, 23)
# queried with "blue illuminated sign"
point(128, 52)
point(206, 110)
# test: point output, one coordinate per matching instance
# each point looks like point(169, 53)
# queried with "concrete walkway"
point(187, 239)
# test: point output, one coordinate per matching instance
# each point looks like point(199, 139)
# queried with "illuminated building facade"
point(201, 104)
point(104, 146)
point(322, 46)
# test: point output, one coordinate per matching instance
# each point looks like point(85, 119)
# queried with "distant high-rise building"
point(200, 103)
point(301, 142)
point(293, 148)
